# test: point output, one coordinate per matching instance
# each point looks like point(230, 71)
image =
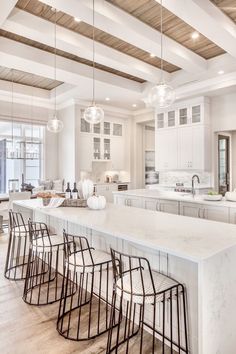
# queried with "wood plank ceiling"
point(67, 55)
point(228, 7)
point(44, 11)
point(28, 79)
point(148, 11)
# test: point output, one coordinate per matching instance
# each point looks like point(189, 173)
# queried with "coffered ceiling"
point(228, 7)
point(199, 42)
point(27, 79)
point(148, 11)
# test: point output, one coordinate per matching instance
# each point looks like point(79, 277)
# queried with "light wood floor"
point(26, 329)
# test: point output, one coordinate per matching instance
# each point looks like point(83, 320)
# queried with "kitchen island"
point(199, 253)
point(178, 203)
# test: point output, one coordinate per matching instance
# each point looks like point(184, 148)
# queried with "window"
point(22, 155)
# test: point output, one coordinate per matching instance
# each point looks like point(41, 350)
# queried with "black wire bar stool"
point(44, 277)
point(154, 309)
point(18, 245)
point(86, 313)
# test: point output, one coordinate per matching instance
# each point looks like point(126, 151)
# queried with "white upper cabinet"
point(117, 154)
point(86, 152)
point(183, 139)
point(166, 151)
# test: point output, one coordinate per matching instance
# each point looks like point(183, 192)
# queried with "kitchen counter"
point(178, 196)
point(199, 253)
point(190, 238)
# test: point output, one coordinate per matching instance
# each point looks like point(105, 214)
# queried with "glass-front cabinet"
point(96, 148)
point(183, 116)
point(106, 128)
point(107, 149)
point(117, 129)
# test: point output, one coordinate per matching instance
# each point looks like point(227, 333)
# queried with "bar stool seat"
point(88, 261)
point(48, 243)
point(140, 293)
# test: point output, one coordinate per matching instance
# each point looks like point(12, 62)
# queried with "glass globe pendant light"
point(55, 125)
point(161, 95)
point(93, 114)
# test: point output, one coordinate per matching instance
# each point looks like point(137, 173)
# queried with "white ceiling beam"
point(22, 57)
point(116, 22)
point(207, 19)
point(35, 28)
point(6, 6)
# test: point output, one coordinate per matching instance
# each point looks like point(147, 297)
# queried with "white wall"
point(66, 145)
point(40, 115)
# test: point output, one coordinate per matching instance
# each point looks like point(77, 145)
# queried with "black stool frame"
point(17, 252)
point(88, 279)
point(135, 312)
point(42, 283)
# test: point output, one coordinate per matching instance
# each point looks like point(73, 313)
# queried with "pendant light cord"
point(93, 56)
point(161, 43)
point(55, 61)
point(31, 110)
point(12, 103)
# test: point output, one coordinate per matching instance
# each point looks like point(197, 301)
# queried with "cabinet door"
point(232, 215)
point(191, 209)
point(185, 148)
point(119, 199)
point(198, 147)
point(216, 213)
point(85, 152)
point(134, 202)
point(117, 153)
point(166, 149)
point(150, 204)
point(168, 206)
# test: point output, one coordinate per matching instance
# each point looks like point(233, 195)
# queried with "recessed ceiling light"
point(195, 35)
point(221, 72)
point(77, 19)
point(134, 105)
point(107, 98)
point(152, 55)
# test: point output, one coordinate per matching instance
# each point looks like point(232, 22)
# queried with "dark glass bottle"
point(68, 191)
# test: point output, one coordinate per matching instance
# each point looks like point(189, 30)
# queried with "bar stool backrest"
point(16, 221)
point(77, 245)
point(129, 267)
point(39, 233)
point(18, 196)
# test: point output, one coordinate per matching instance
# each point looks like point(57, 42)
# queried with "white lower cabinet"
point(168, 206)
point(232, 215)
point(216, 213)
point(151, 204)
point(134, 202)
point(190, 209)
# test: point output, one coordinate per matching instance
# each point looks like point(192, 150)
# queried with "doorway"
point(223, 163)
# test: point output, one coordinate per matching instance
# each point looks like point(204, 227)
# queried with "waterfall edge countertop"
point(185, 237)
point(177, 196)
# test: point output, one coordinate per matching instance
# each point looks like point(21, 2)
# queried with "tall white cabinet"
point(103, 142)
point(183, 137)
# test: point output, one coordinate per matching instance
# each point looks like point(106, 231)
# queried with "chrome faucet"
point(193, 188)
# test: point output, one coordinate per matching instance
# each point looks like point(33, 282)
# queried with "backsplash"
point(100, 170)
point(173, 177)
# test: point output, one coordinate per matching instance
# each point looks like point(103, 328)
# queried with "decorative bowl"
point(213, 197)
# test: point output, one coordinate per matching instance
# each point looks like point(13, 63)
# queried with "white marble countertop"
point(197, 186)
point(189, 238)
point(177, 196)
